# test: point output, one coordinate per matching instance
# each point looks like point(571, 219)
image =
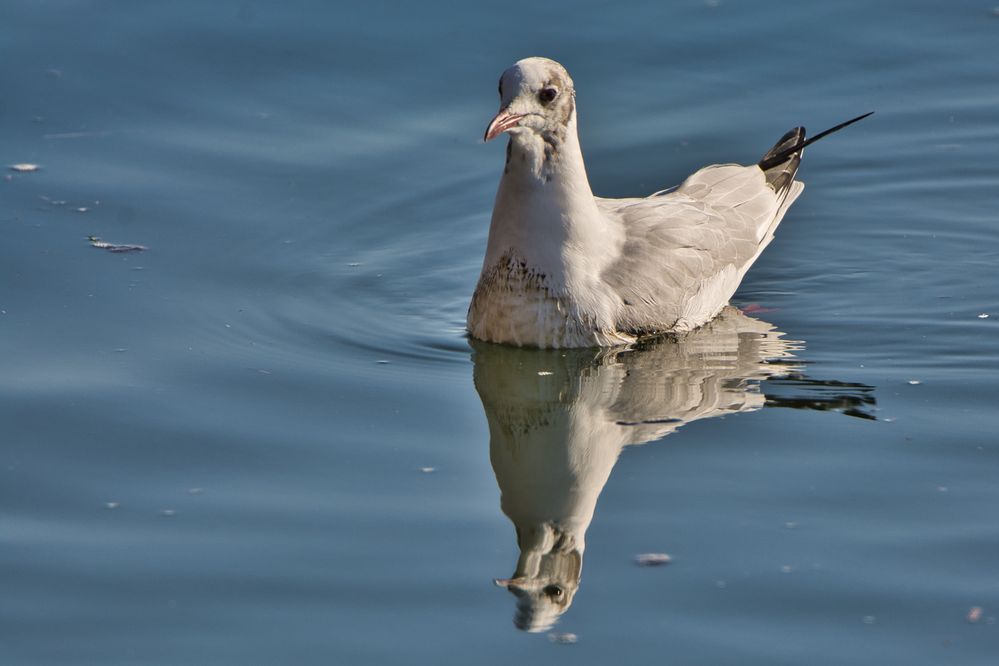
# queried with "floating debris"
point(652, 559)
point(984, 315)
point(974, 614)
point(112, 247)
point(168, 513)
point(195, 491)
point(111, 505)
point(24, 167)
point(914, 382)
point(566, 638)
point(82, 209)
point(428, 470)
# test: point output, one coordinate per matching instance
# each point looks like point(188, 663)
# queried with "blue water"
point(266, 439)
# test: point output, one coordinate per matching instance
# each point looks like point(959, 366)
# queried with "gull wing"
point(686, 251)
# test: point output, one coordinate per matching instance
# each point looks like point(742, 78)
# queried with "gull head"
point(537, 103)
point(544, 586)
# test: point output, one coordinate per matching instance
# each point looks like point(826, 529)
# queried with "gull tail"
point(781, 162)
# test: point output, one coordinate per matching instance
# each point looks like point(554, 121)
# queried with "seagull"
point(564, 268)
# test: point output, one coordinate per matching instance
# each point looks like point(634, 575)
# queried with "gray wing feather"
point(685, 252)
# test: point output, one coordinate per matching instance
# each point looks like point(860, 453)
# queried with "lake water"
point(266, 440)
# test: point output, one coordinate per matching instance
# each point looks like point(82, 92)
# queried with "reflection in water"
point(558, 420)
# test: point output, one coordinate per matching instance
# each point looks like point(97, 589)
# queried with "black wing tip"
point(780, 164)
point(780, 153)
point(785, 146)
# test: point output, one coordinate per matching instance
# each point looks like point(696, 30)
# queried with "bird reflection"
point(558, 420)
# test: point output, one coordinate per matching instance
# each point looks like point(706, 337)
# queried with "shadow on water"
point(558, 420)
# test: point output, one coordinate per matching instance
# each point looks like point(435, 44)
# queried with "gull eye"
point(553, 591)
point(547, 94)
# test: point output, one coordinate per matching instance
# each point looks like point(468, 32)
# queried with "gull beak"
point(519, 581)
point(503, 121)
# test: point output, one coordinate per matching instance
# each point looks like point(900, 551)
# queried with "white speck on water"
point(168, 513)
point(974, 614)
point(24, 167)
point(195, 491)
point(889, 419)
point(786, 568)
point(228, 325)
point(870, 619)
point(652, 559)
point(942, 489)
point(113, 247)
point(354, 264)
point(112, 505)
point(720, 584)
point(545, 373)
point(566, 638)
point(914, 382)
point(790, 525)
point(82, 209)
point(984, 315)
point(428, 470)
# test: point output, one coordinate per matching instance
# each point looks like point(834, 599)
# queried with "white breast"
point(517, 304)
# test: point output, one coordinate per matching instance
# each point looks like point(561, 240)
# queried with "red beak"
point(503, 121)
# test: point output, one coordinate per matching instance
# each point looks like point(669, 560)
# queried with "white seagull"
point(564, 268)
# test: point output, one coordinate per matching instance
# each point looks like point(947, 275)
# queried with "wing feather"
point(686, 251)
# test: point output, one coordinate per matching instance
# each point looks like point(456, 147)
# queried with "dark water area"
point(265, 438)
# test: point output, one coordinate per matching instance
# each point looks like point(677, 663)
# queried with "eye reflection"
point(553, 591)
